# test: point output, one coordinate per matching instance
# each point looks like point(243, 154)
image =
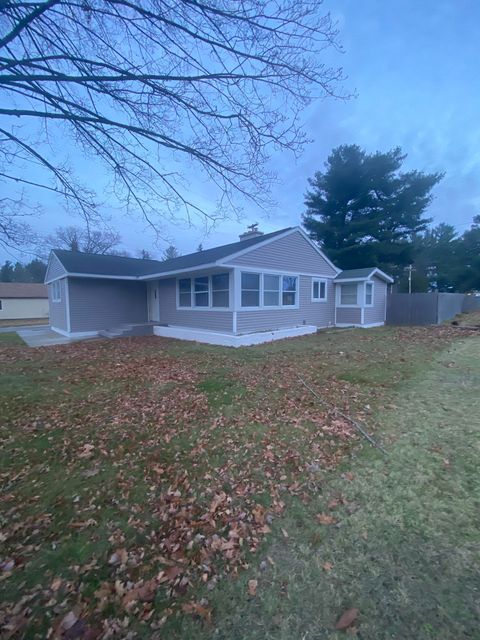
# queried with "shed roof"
point(76, 262)
point(23, 290)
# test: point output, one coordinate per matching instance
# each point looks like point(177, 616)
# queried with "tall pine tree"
point(364, 211)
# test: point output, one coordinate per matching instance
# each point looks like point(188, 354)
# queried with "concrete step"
point(125, 330)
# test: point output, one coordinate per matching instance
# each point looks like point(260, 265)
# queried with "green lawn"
point(145, 482)
point(10, 337)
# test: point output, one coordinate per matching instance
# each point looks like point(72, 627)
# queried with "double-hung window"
point(348, 294)
point(319, 290)
point(56, 291)
point(369, 294)
point(200, 297)
point(204, 292)
point(266, 290)
point(271, 290)
point(185, 292)
point(289, 291)
point(220, 290)
point(250, 289)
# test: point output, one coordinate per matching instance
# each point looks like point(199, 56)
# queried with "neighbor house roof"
point(22, 290)
point(76, 262)
point(361, 274)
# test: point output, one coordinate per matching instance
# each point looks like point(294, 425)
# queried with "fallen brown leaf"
point(346, 619)
point(324, 518)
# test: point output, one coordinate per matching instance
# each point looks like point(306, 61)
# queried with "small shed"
point(23, 301)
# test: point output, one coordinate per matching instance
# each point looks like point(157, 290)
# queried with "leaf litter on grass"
point(163, 496)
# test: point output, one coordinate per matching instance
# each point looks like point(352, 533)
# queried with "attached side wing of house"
point(361, 297)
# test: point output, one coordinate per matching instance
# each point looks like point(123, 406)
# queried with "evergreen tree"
point(468, 278)
point(363, 210)
point(6, 272)
point(170, 252)
point(20, 273)
point(36, 270)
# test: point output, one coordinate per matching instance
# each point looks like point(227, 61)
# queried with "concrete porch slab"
point(229, 339)
point(42, 336)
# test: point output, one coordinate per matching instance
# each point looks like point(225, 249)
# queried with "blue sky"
point(415, 69)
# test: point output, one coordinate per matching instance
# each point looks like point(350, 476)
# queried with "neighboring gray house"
point(258, 289)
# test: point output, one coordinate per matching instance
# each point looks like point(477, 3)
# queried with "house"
point(263, 287)
point(23, 301)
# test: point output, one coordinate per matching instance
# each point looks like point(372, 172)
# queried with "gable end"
point(55, 269)
point(291, 252)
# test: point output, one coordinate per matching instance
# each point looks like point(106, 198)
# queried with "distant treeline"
point(33, 271)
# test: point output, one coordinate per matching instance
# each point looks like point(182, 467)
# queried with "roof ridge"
point(186, 255)
point(107, 255)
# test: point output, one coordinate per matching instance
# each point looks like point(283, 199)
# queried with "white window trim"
point(320, 280)
point(369, 306)
point(192, 293)
point(262, 306)
point(339, 297)
point(57, 297)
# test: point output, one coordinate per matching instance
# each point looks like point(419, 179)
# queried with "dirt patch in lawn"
point(139, 475)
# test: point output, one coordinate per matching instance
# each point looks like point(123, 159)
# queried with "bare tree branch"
point(142, 84)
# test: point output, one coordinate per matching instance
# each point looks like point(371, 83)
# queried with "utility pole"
point(410, 269)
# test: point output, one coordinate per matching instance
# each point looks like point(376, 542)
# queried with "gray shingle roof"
point(354, 273)
point(103, 265)
point(23, 290)
point(359, 274)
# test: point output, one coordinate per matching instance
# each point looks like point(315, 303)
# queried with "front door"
point(153, 302)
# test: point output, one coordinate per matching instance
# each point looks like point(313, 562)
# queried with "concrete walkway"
point(41, 336)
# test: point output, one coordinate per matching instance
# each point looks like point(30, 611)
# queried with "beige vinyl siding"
point(375, 314)
point(58, 310)
point(23, 308)
point(292, 253)
point(55, 268)
point(319, 314)
point(201, 319)
point(349, 315)
point(97, 304)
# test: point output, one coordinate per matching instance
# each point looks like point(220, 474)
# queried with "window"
point(265, 290)
point(368, 294)
point(319, 290)
point(250, 289)
point(201, 292)
point(271, 291)
point(220, 290)
point(348, 294)
point(56, 291)
point(204, 291)
point(289, 295)
point(185, 292)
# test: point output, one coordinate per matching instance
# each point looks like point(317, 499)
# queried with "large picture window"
point(204, 292)
point(266, 290)
point(348, 294)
